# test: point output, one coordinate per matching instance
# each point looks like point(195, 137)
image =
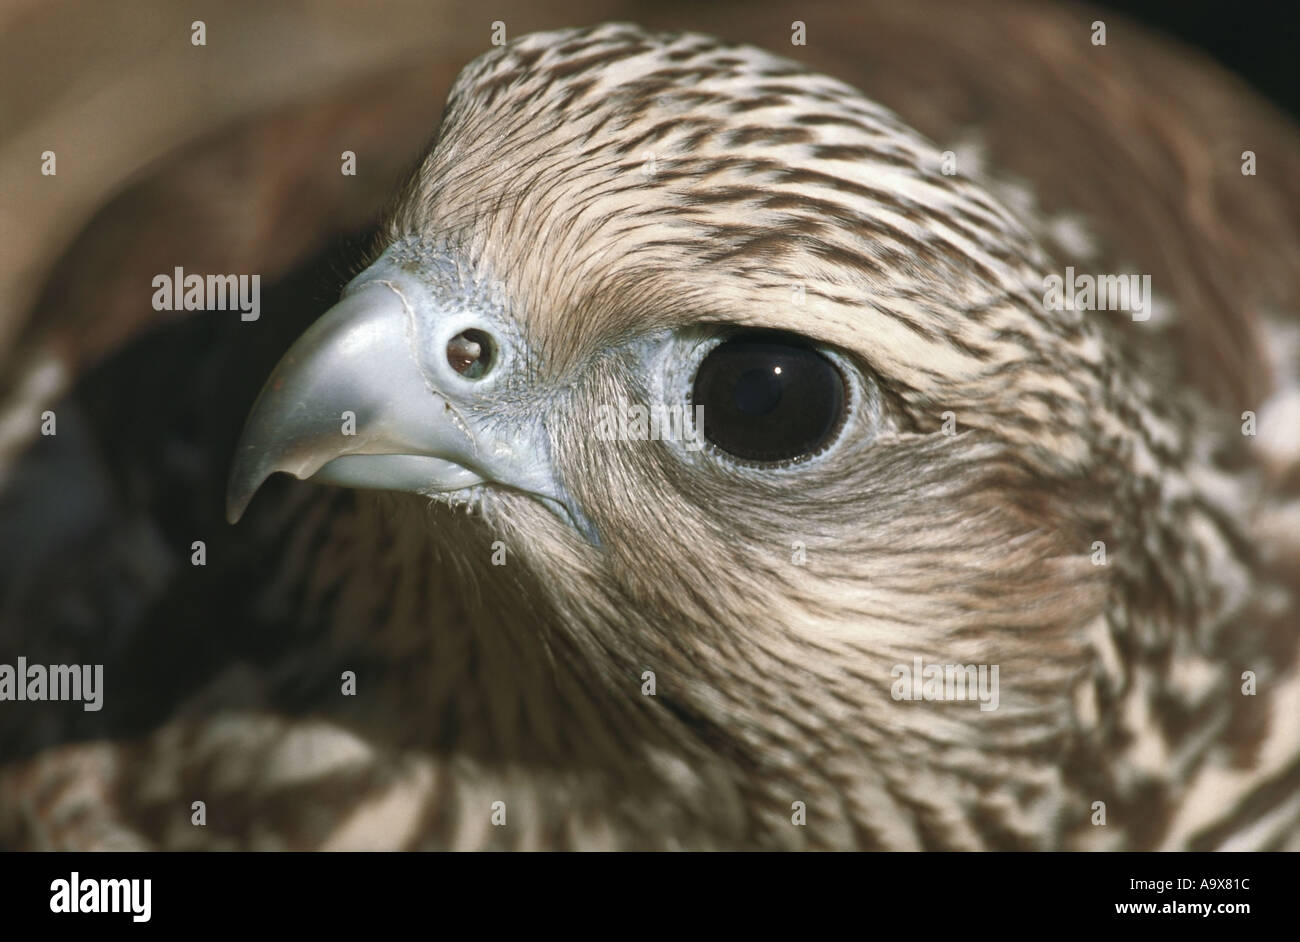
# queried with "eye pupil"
point(758, 392)
point(769, 397)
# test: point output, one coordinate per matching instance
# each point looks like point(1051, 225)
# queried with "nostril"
point(470, 353)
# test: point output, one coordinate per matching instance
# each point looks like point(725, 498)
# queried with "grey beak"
point(349, 404)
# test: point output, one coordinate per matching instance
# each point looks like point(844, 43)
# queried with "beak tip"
point(236, 504)
point(244, 483)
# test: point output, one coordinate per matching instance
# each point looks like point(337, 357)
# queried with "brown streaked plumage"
point(616, 191)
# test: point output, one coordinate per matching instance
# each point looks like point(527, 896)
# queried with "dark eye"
point(769, 397)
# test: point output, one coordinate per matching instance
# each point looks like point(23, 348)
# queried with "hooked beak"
point(369, 397)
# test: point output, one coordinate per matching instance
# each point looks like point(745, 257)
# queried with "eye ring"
point(769, 399)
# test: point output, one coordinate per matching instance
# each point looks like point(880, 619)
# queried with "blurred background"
point(225, 158)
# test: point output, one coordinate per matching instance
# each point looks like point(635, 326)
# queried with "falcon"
point(908, 558)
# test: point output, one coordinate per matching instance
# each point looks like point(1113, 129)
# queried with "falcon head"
point(749, 401)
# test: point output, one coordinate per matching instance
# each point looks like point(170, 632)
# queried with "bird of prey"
point(540, 620)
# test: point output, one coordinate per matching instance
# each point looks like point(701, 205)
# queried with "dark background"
point(1260, 40)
